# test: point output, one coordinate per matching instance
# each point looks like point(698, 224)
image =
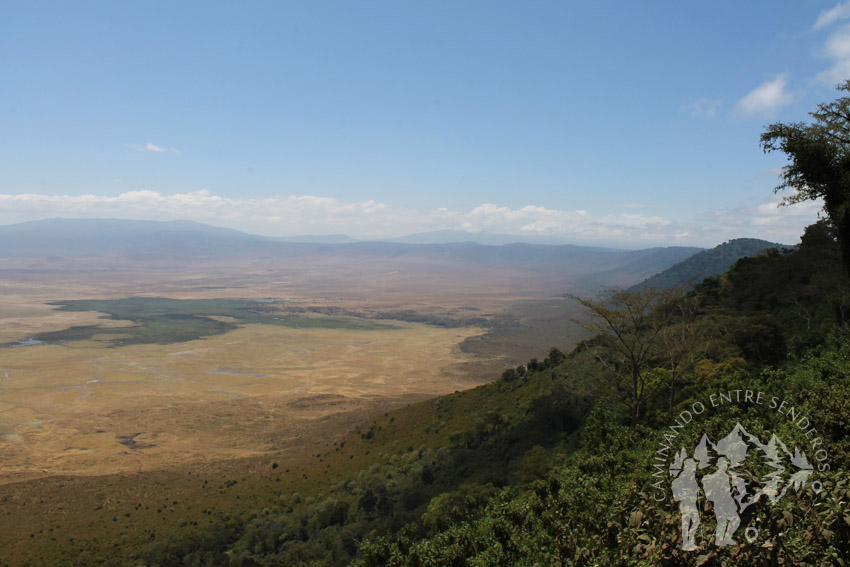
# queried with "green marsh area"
point(160, 320)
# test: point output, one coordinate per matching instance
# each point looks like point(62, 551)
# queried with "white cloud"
point(826, 17)
point(768, 220)
point(705, 107)
point(837, 48)
point(308, 214)
point(151, 147)
point(767, 98)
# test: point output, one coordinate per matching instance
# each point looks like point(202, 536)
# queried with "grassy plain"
point(106, 436)
point(70, 409)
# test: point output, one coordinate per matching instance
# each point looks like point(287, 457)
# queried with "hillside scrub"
point(523, 472)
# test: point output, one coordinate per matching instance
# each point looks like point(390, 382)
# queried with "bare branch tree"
point(636, 328)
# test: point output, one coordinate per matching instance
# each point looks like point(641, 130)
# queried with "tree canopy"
point(820, 162)
point(644, 330)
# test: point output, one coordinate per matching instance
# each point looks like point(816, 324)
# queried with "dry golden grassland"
point(104, 444)
point(84, 408)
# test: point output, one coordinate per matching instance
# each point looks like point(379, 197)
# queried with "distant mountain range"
point(188, 241)
point(708, 263)
point(455, 236)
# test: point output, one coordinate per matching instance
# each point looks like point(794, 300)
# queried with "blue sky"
point(633, 123)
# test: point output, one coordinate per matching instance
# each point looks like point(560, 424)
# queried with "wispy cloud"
point(827, 17)
point(766, 99)
point(151, 147)
point(705, 107)
point(308, 214)
point(769, 220)
point(837, 48)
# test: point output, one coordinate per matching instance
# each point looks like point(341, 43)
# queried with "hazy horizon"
point(599, 125)
point(437, 237)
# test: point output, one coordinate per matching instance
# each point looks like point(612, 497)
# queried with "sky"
point(592, 122)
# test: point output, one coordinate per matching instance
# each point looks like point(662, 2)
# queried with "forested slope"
point(707, 263)
point(546, 467)
point(777, 325)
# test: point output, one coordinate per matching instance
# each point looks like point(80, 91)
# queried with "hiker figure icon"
point(686, 492)
point(718, 491)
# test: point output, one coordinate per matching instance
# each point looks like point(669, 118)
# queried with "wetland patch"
point(160, 320)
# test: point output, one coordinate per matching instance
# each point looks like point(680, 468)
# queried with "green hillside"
point(546, 467)
point(707, 263)
point(427, 464)
point(597, 505)
point(552, 464)
point(642, 264)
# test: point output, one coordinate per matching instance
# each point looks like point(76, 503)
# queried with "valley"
point(135, 385)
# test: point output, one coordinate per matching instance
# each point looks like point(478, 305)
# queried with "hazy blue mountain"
point(318, 238)
point(186, 241)
point(640, 265)
point(456, 236)
point(708, 263)
point(106, 237)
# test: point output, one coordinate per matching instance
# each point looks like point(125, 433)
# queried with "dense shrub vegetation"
point(552, 464)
